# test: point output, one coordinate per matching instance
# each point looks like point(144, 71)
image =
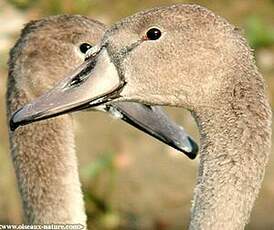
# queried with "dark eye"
point(84, 47)
point(153, 34)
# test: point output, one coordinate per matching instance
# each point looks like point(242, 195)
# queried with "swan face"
point(189, 64)
point(44, 44)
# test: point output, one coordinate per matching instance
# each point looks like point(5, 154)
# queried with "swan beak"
point(92, 84)
point(155, 122)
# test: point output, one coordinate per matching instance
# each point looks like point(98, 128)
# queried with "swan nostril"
point(76, 81)
point(147, 107)
point(83, 75)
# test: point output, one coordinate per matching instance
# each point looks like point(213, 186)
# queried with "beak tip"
point(13, 124)
point(193, 149)
point(16, 120)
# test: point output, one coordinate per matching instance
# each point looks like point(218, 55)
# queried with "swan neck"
point(46, 167)
point(235, 144)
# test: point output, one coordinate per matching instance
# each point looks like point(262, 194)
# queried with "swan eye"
point(84, 47)
point(153, 34)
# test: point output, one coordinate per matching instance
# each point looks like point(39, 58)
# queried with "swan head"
point(181, 55)
point(37, 59)
point(51, 47)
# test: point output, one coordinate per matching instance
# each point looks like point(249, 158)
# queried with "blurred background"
point(130, 180)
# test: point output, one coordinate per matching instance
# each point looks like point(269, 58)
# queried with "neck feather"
point(46, 167)
point(235, 144)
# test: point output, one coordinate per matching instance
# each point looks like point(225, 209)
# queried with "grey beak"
point(94, 83)
point(155, 122)
point(89, 85)
point(149, 119)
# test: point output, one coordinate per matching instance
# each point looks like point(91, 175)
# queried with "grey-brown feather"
point(43, 153)
point(202, 63)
